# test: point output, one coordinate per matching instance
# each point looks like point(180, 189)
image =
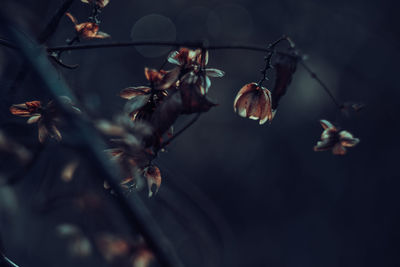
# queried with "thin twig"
point(161, 43)
point(268, 58)
point(165, 143)
point(91, 143)
point(323, 85)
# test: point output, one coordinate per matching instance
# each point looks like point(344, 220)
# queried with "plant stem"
point(190, 123)
point(51, 27)
point(268, 58)
point(323, 85)
point(162, 43)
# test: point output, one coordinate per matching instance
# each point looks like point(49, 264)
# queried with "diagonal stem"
point(323, 85)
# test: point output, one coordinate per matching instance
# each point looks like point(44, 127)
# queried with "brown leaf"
point(166, 113)
point(193, 101)
point(285, 67)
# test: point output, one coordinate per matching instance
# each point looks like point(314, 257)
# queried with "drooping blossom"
point(254, 102)
point(335, 139)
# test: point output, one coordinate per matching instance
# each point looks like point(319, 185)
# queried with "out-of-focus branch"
point(51, 27)
point(6, 262)
point(91, 143)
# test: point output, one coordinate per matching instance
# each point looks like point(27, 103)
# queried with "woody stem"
point(190, 123)
point(323, 85)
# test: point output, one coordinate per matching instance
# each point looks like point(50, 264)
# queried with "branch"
point(51, 27)
point(167, 142)
point(324, 86)
point(161, 43)
point(268, 59)
point(91, 143)
point(6, 262)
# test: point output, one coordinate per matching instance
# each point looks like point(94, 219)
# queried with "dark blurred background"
point(235, 193)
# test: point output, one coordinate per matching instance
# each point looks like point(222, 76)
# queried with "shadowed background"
point(267, 199)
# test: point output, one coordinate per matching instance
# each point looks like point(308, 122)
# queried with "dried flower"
point(153, 177)
point(335, 139)
point(112, 246)
point(186, 57)
point(87, 30)
point(129, 148)
point(192, 64)
point(46, 116)
point(253, 102)
point(143, 99)
point(99, 3)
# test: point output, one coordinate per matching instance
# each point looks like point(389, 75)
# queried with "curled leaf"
point(285, 67)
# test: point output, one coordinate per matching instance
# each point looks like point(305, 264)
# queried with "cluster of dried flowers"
point(151, 112)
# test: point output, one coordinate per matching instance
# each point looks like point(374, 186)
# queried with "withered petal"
point(34, 119)
point(216, 73)
point(327, 125)
point(43, 132)
point(110, 128)
point(69, 170)
point(347, 139)
point(153, 176)
point(136, 103)
point(131, 92)
point(101, 35)
point(173, 58)
point(338, 149)
point(54, 132)
point(72, 18)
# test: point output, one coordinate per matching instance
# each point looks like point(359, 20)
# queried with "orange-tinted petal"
point(338, 149)
point(327, 125)
point(347, 139)
point(131, 92)
point(72, 18)
point(153, 176)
